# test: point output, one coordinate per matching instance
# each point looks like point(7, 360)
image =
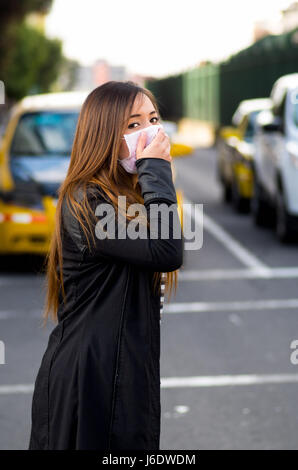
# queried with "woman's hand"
point(159, 147)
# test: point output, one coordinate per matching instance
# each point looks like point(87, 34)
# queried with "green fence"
point(168, 92)
point(201, 93)
point(211, 92)
point(251, 72)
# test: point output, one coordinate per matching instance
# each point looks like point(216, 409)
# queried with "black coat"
point(98, 385)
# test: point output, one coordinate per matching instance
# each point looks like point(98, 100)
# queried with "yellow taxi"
point(235, 153)
point(34, 157)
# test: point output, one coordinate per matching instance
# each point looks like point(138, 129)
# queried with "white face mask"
point(129, 163)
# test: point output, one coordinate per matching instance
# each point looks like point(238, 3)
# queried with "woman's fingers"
point(141, 142)
point(159, 147)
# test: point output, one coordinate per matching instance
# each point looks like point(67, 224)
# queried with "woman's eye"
point(131, 126)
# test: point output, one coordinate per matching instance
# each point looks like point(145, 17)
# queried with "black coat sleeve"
point(162, 247)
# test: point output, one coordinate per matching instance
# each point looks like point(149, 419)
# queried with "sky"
point(157, 37)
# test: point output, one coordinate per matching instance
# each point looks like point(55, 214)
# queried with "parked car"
point(275, 163)
point(34, 157)
point(235, 152)
point(178, 149)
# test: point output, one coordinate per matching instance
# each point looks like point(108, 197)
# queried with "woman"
point(98, 386)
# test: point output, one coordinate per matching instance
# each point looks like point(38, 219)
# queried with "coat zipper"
point(117, 360)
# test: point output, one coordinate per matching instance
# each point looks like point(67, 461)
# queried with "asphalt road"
point(227, 377)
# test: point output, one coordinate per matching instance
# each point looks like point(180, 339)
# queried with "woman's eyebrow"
point(137, 115)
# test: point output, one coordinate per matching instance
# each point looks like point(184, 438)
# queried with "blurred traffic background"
point(225, 75)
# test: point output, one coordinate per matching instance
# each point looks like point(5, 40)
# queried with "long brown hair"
point(95, 151)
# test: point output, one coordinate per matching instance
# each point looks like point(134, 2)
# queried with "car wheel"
point(218, 173)
point(227, 193)
point(260, 209)
point(283, 226)
point(240, 203)
point(226, 189)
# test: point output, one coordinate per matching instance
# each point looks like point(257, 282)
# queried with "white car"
point(275, 163)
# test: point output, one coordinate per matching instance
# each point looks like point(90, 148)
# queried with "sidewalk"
point(194, 133)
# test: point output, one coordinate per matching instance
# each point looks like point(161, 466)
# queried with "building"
point(89, 77)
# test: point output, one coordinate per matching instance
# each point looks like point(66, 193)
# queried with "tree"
point(34, 63)
point(12, 13)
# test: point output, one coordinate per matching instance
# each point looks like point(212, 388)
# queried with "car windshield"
point(251, 125)
point(295, 114)
point(44, 133)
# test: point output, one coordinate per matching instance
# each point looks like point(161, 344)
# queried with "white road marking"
point(186, 307)
point(194, 275)
point(250, 273)
point(229, 242)
point(19, 388)
point(224, 380)
point(187, 382)
point(196, 307)
point(287, 272)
